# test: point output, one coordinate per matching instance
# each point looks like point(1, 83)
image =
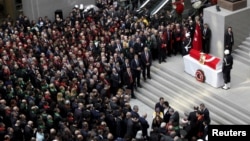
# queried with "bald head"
point(144, 115)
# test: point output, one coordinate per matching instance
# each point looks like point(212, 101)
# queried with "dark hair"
point(196, 107)
point(202, 104)
point(166, 103)
point(161, 98)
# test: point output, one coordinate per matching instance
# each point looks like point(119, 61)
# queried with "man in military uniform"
point(186, 44)
point(226, 68)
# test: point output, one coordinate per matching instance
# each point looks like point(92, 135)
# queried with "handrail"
point(162, 4)
point(145, 3)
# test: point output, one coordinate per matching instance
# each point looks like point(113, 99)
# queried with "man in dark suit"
point(118, 46)
point(169, 40)
point(229, 39)
point(205, 112)
point(169, 18)
point(166, 113)
point(206, 36)
point(129, 81)
point(78, 113)
point(130, 54)
point(136, 68)
point(116, 58)
point(160, 104)
point(154, 44)
point(192, 118)
point(129, 126)
point(144, 125)
point(162, 45)
point(93, 48)
point(175, 117)
point(126, 64)
point(115, 81)
point(146, 59)
point(28, 131)
point(111, 47)
point(119, 124)
point(138, 46)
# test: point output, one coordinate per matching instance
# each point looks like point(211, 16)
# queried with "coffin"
point(209, 60)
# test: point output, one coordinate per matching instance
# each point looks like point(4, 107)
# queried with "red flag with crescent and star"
point(197, 41)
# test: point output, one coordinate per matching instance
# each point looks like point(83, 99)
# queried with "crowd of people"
point(169, 126)
point(71, 79)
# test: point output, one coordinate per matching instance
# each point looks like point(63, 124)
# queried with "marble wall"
point(218, 22)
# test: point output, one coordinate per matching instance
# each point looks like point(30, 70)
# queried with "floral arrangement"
point(200, 76)
point(197, 4)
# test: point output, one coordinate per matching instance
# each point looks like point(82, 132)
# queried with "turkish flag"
point(197, 41)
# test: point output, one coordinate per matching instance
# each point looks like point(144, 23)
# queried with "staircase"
point(242, 53)
point(153, 6)
point(183, 92)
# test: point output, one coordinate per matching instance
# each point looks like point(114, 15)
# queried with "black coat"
point(28, 133)
point(126, 78)
point(119, 132)
point(206, 40)
point(115, 80)
point(18, 134)
point(206, 115)
point(227, 63)
point(135, 65)
point(166, 116)
point(192, 118)
point(144, 125)
point(229, 39)
point(129, 129)
point(175, 117)
point(138, 47)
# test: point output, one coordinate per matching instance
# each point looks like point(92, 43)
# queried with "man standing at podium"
point(226, 68)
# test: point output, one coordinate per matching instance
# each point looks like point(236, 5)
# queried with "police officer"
point(226, 68)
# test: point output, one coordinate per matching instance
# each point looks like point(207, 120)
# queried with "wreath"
point(200, 76)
